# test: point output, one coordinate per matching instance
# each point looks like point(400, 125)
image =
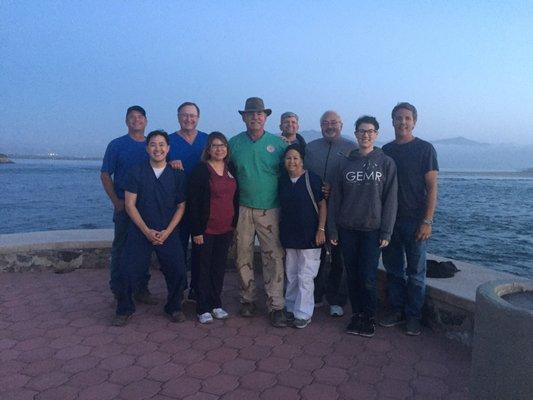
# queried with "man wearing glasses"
point(186, 146)
point(323, 157)
point(416, 162)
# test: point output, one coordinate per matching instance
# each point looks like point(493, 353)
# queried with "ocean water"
point(484, 218)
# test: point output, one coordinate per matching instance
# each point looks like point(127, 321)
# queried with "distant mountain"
point(459, 141)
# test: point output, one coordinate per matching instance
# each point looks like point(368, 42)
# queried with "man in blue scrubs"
point(186, 146)
point(121, 154)
point(155, 202)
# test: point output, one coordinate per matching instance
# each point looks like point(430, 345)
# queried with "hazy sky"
point(69, 69)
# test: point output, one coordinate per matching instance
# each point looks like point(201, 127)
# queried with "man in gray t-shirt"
point(323, 156)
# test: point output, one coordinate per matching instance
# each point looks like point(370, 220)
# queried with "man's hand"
point(423, 232)
point(176, 164)
point(334, 242)
point(119, 205)
point(199, 239)
point(326, 190)
point(153, 236)
point(162, 236)
point(383, 243)
point(320, 237)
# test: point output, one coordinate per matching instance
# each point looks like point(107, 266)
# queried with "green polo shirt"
point(257, 166)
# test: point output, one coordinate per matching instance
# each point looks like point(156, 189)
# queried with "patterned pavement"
point(56, 343)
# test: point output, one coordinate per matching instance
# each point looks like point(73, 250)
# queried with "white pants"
point(301, 267)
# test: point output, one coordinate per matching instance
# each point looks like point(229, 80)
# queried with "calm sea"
point(484, 218)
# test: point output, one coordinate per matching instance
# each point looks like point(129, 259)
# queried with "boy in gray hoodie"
point(362, 211)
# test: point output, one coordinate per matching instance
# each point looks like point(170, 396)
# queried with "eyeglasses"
point(218, 146)
point(333, 123)
point(368, 132)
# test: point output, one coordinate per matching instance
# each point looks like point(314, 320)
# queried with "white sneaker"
point(219, 313)
point(205, 318)
point(336, 311)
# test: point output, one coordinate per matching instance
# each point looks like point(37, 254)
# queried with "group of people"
point(323, 212)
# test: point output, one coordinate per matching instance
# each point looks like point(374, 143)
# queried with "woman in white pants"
point(302, 231)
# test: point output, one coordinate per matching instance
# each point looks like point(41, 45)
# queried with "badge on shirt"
point(271, 148)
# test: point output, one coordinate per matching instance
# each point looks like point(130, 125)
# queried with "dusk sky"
point(69, 69)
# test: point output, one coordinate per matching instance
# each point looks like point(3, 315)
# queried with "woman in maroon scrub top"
point(213, 210)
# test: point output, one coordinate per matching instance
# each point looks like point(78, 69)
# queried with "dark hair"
point(367, 119)
point(405, 106)
point(188, 103)
point(295, 147)
point(136, 108)
point(210, 138)
point(159, 132)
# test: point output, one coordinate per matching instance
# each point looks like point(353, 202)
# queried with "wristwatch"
point(427, 221)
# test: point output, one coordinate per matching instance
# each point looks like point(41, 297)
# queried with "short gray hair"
point(330, 112)
point(288, 114)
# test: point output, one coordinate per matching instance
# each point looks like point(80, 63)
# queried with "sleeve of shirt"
point(390, 202)
point(110, 159)
point(132, 180)
point(181, 186)
point(430, 160)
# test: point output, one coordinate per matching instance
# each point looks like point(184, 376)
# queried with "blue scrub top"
point(157, 198)
point(121, 154)
point(189, 154)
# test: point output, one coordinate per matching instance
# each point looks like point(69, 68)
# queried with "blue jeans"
point(137, 256)
point(406, 285)
point(122, 223)
point(361, 251)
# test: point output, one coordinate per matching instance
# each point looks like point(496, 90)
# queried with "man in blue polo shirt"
point(121, 154)
point(186, 146)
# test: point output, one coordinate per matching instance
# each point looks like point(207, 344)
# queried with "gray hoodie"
point(364, 197)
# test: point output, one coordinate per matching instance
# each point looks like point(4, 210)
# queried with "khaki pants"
point(265, 224)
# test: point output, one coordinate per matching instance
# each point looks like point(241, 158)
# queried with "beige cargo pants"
point(266, 224)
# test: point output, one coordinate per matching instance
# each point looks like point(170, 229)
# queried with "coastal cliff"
point(4, 159)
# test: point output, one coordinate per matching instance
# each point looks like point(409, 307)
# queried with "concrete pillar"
point(502, 355)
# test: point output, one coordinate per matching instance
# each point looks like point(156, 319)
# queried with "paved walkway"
point(56, 343)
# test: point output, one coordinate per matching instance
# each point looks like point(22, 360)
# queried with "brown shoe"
point(176, 317)
point(145, 297)
point(248, 310)
point(120, 320)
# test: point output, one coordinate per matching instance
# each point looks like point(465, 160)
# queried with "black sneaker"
point(278, 319)
point(176, 317)
point(145, 297)
point(367, 327)
point(392, 319)
point(413, 327)
point(301, 323)
point(248, 310)
point(120, 320)
point(354, 325)
point(289, 316)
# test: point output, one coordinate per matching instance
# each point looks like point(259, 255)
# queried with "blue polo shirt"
point(121, 154)
point(188, 153)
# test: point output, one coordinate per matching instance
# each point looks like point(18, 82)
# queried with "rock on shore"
point(5, 160)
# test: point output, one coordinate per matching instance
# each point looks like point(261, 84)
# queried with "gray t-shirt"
point(413, 160)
